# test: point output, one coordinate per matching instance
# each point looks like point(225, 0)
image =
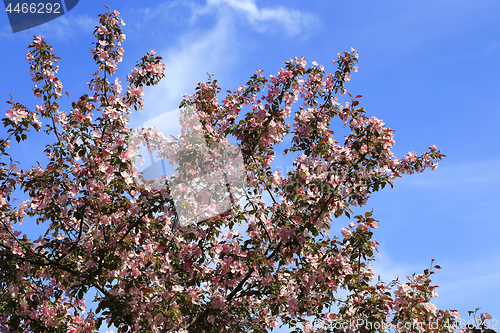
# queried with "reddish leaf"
point(147, 290)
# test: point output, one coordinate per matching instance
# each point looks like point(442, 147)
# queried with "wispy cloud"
point(187, 64)
point(70, 25)
point(487, 51)
point(292, 21)
point(66, 26)
point(215, 50)
point(389, 269)
point(478, 174)
point(467, 284)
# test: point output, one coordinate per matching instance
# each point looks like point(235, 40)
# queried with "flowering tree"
point(153, 273)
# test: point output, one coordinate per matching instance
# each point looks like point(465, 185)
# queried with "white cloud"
point(187, 64)
point(215, 50)
point(475, 275)
point(293, 21)
point(477, 175)
point(389, 269)
point(70, 25)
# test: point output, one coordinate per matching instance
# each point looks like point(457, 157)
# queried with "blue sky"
point(429, 69)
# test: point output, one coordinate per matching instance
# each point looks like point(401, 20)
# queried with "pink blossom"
point(303, 62)
point(485, 316)
point(293, 306)
point(58, 87)
point(431, 307)
point(135, 91)
point(38, 41)
point(346, 233)
point(29, 57)
point(218, 301)
point(102, 30)
point(16, 115)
